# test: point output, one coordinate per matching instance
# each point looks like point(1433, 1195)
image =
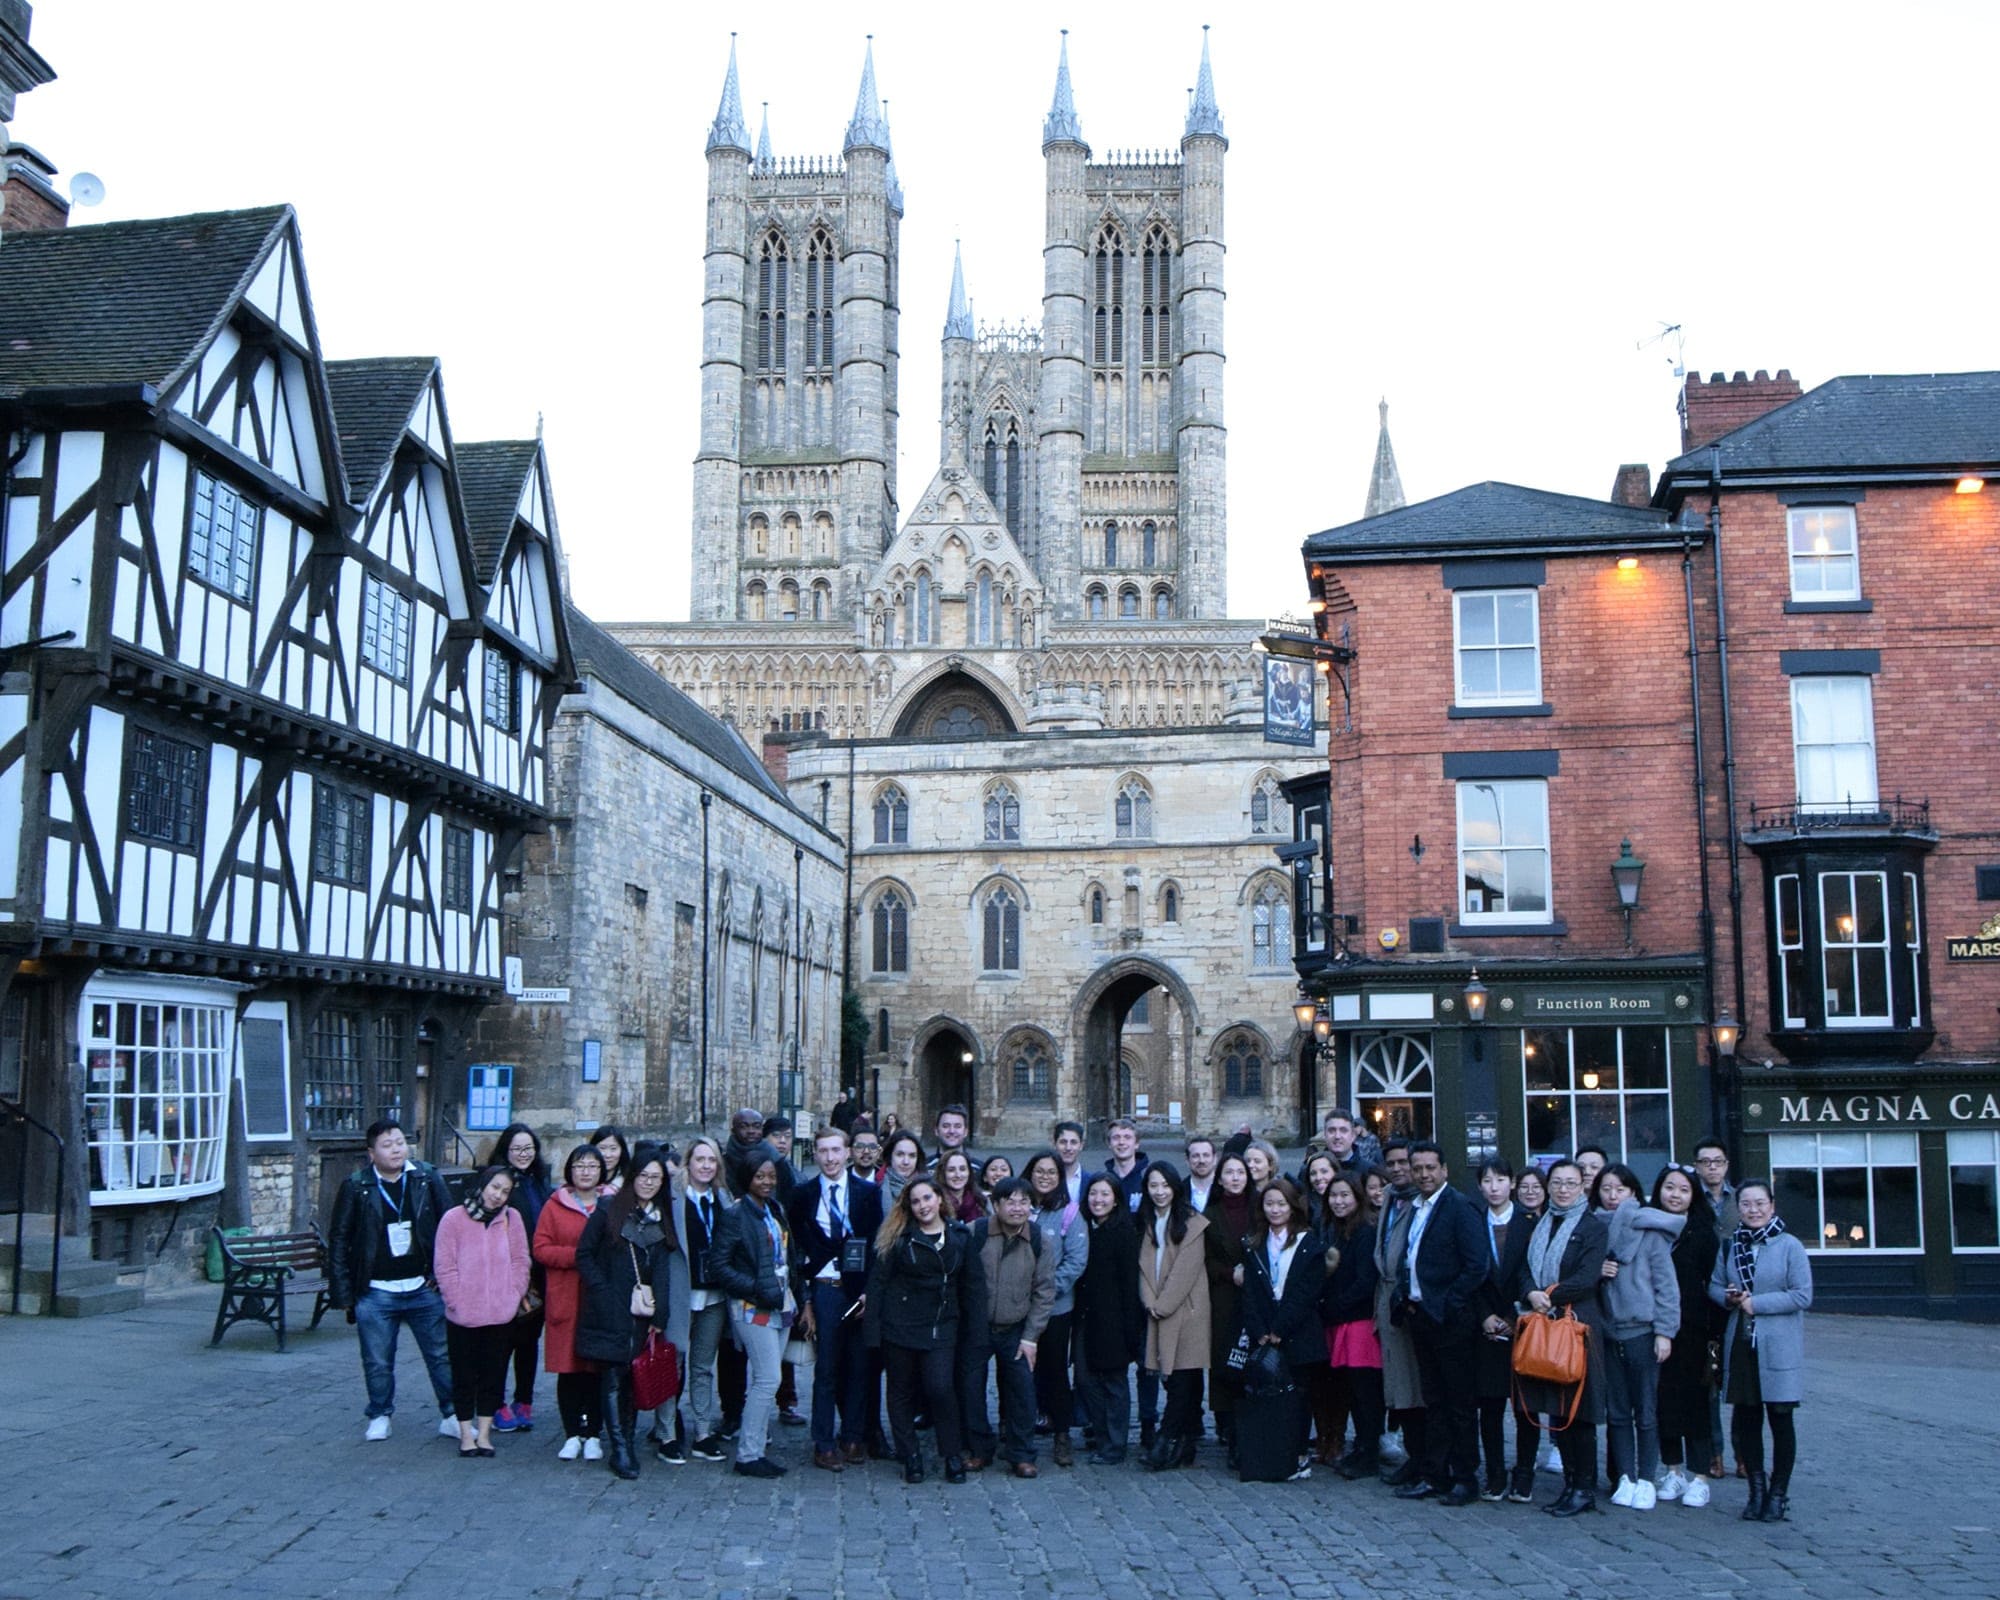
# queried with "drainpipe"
point(1707, 918)
point(1730, 1109)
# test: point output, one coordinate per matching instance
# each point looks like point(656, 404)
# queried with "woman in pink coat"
point(481, 1260)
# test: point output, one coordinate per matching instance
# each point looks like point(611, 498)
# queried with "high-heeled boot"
point(1776, 1501)
point(619, 1421)
point(1760, 1494)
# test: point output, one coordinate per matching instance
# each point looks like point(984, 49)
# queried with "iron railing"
point(1887, 815)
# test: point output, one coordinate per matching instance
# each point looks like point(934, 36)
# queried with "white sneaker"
point(572, 1447)
point(1644, 1496)
point(1672, 1483)
point(593, 1450)
point(447, 1427)
point(378, 1429)
point(1550, 1460)
point(1696, 1493)
point(1622, 1495)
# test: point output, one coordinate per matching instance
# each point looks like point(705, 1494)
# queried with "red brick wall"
point(30, 208)
point(1711, 409)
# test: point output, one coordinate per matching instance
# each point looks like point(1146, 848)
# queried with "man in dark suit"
point(835, 1217)
point(1442, 1270)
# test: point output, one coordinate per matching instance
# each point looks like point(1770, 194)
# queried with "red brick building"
point(1857, 528)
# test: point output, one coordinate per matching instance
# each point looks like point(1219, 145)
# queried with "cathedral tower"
point(795, 482)
point(1200, 441)
point(1063, 416)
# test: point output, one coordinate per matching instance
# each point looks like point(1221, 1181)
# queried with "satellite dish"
point(87, 189)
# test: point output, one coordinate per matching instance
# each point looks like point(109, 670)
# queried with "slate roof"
point(1936, 419)
point(1487, 517)
point(123, 302)
point(372, 402)
point(490, 475)
point(600, 656)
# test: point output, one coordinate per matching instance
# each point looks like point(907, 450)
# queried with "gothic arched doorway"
point(1098, 1019)
point(955, 705)
point(947, 1074)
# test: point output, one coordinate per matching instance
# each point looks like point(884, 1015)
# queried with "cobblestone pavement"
point(143, 1462)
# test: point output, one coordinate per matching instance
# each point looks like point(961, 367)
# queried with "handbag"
point(1266, 1372)
point(656, 1372)
point(1552, 1348)
point(642, 1293)
point(1239, 1354)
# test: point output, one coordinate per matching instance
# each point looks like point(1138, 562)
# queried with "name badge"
point(400, 1238)
point(853, 1254)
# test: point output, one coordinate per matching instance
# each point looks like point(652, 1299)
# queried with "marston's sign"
point(1910, 1108)
point(1982, 946)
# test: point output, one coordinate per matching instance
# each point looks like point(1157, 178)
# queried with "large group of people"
point(1321, 1315)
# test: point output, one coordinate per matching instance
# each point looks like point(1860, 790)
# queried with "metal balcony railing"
point(1821, 816)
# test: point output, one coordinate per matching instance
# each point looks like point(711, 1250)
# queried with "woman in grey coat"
point(1763, 1275)
point(1642, 1313)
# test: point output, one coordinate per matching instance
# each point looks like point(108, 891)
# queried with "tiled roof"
point(372, 402)
point(490, 475)
point(122, 302)
point(1487, 517)
point(1937, 419)
point(600, 656)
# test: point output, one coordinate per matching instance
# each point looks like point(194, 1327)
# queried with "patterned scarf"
point(1743, 1245)
point(1551, 1238)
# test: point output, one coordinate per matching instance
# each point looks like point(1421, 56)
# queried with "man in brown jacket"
point(1004, 1321)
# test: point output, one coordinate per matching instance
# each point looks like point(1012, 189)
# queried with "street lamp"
point(1475, 999)
point(1303, 1011)
point(1725, 1031)
point(1322, 1026)
point(1626, 872)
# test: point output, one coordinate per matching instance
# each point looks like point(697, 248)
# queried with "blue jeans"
point(1107, 1405)
point(1631, 1407)
point(840, 1370)
point(378, 1316)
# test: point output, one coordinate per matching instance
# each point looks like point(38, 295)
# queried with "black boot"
point(1364, 1460)
point(1188, 1445)
point(1165, 1454)
point(913, 1465)
point(1577, 1498)
point(619, 1421)
point(1756, 1507)
point(1521, 1488)
point(1149, 1432)
point(1775, 1504)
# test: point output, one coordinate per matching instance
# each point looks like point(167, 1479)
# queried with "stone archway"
point(945, 1057)
point(1097, 1020)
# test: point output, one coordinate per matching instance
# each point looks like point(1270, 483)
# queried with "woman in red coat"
point(556, 1234)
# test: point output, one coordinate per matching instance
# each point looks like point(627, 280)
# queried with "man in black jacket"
point(379, 1270)
point(835, 1217)
point(1440, 1276)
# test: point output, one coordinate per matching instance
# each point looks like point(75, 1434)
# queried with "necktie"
point(833, 1212)
point(708, 1216)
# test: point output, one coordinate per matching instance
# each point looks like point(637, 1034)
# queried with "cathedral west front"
point(1017, 694)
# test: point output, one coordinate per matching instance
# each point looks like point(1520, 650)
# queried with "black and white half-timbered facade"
point(277, 667)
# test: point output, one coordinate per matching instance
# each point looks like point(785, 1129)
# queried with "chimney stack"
point(1633, 486)
point(1711, 409)
point(31, 200)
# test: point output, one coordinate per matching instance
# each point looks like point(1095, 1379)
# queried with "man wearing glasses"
point(1711, 1165)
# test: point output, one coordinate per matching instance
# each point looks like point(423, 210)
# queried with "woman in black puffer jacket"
point(915, 1294)
point(625, 1246)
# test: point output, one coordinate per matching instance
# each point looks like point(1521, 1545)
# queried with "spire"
point(1061, 125)
point(1203, 117)
point(958, 316)
point(868, 127)
point(727, 132)
point(888, 144)
point(1385, 485)
point(764, 138)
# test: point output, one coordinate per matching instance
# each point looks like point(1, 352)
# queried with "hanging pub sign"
point(1982, 946)
point(1288, 700)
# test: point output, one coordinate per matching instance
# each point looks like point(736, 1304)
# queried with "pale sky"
point(1475, 211)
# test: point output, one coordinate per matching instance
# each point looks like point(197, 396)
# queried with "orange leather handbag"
point(1552, 1347)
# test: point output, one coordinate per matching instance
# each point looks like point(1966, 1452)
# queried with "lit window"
point(1001, 927)
point(892, 817)
point(156, 1095)
point(1849, 1191)
point(1854, 945)
point(222, 536)
point(1833, 742)
point(1499, 647)
point(1599, 1086)
point(1503, 850)
point(386, 615)
point(1825, 565)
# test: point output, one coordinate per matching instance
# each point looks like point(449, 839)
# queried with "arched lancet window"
point(983, 609)
point(1132, 811)
point(822, 602)
point(1268, 813)
point(1003, 815)
point(790, 529)
point(756, 602)
point(774, 264)
point(1270, 928)
point(1108, 320)
point(1149, 544)
point(1163, 603)
point(892, 816)
point(1170, 904)
point(889, 928)
point(1095, 602)
point(921, 612)
point(756, 963)
point(989, 466)
point(1014, 509)
point(724, 912)
point(1128, 603)
point(1156, 272)
point(1242, 1055)
point(822, 534)
point(1111, 544)
point(760, 537)
point(1001, 929)
point(819, 300)
point(1096, 907)
point(1028, 1075)
point(788, 601)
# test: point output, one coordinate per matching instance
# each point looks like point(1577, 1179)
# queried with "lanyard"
point(396, 1203)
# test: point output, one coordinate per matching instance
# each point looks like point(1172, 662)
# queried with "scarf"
point(1551, 1239)
point(1235, 1211)
point(1743, 1246)
point(478, 1212)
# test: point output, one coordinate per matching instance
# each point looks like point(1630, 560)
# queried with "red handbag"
point(656, 1372)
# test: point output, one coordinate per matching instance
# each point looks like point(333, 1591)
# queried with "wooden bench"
point(259, 1270)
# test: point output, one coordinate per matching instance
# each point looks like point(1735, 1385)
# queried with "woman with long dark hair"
point(1764, 1277)
point(519, 1149)
point(915, 1299)
point(481, 1263)
point(616, 1155)
point(1564, 1268)
point(1230, 1213)
point(1316, 1376)
point(754, 1262)
point(1284, 1270)
point(1685, 1444)
point(1173, 1287)
point(1508, 1229)
point(902, 1160)
point(622, 1261)
point(1109, 1323)
point(1347, 1308)
point(556, 1237)
point(1065, 1232)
